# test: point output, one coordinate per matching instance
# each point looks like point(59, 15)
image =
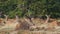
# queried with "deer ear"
point(17, 18)
point(6, 17)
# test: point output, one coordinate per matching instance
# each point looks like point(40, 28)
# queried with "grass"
point(37, 22)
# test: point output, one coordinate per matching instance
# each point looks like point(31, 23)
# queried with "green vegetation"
point(35, 8)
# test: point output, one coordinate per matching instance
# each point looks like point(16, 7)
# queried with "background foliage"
point(30, 8)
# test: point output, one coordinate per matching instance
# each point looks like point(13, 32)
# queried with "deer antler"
point(48, 17)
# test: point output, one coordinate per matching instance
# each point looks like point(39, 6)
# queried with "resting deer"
point(10, 26)
point(32, 26)
point(1, 22)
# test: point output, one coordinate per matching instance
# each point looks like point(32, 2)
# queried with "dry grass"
point(36, 21)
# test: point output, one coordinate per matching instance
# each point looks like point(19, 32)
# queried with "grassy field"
point(37, 22)
point(32, 32)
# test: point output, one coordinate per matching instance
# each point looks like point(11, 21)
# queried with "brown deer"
point(52, 25)
point(11, 24)
point(1, 22)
